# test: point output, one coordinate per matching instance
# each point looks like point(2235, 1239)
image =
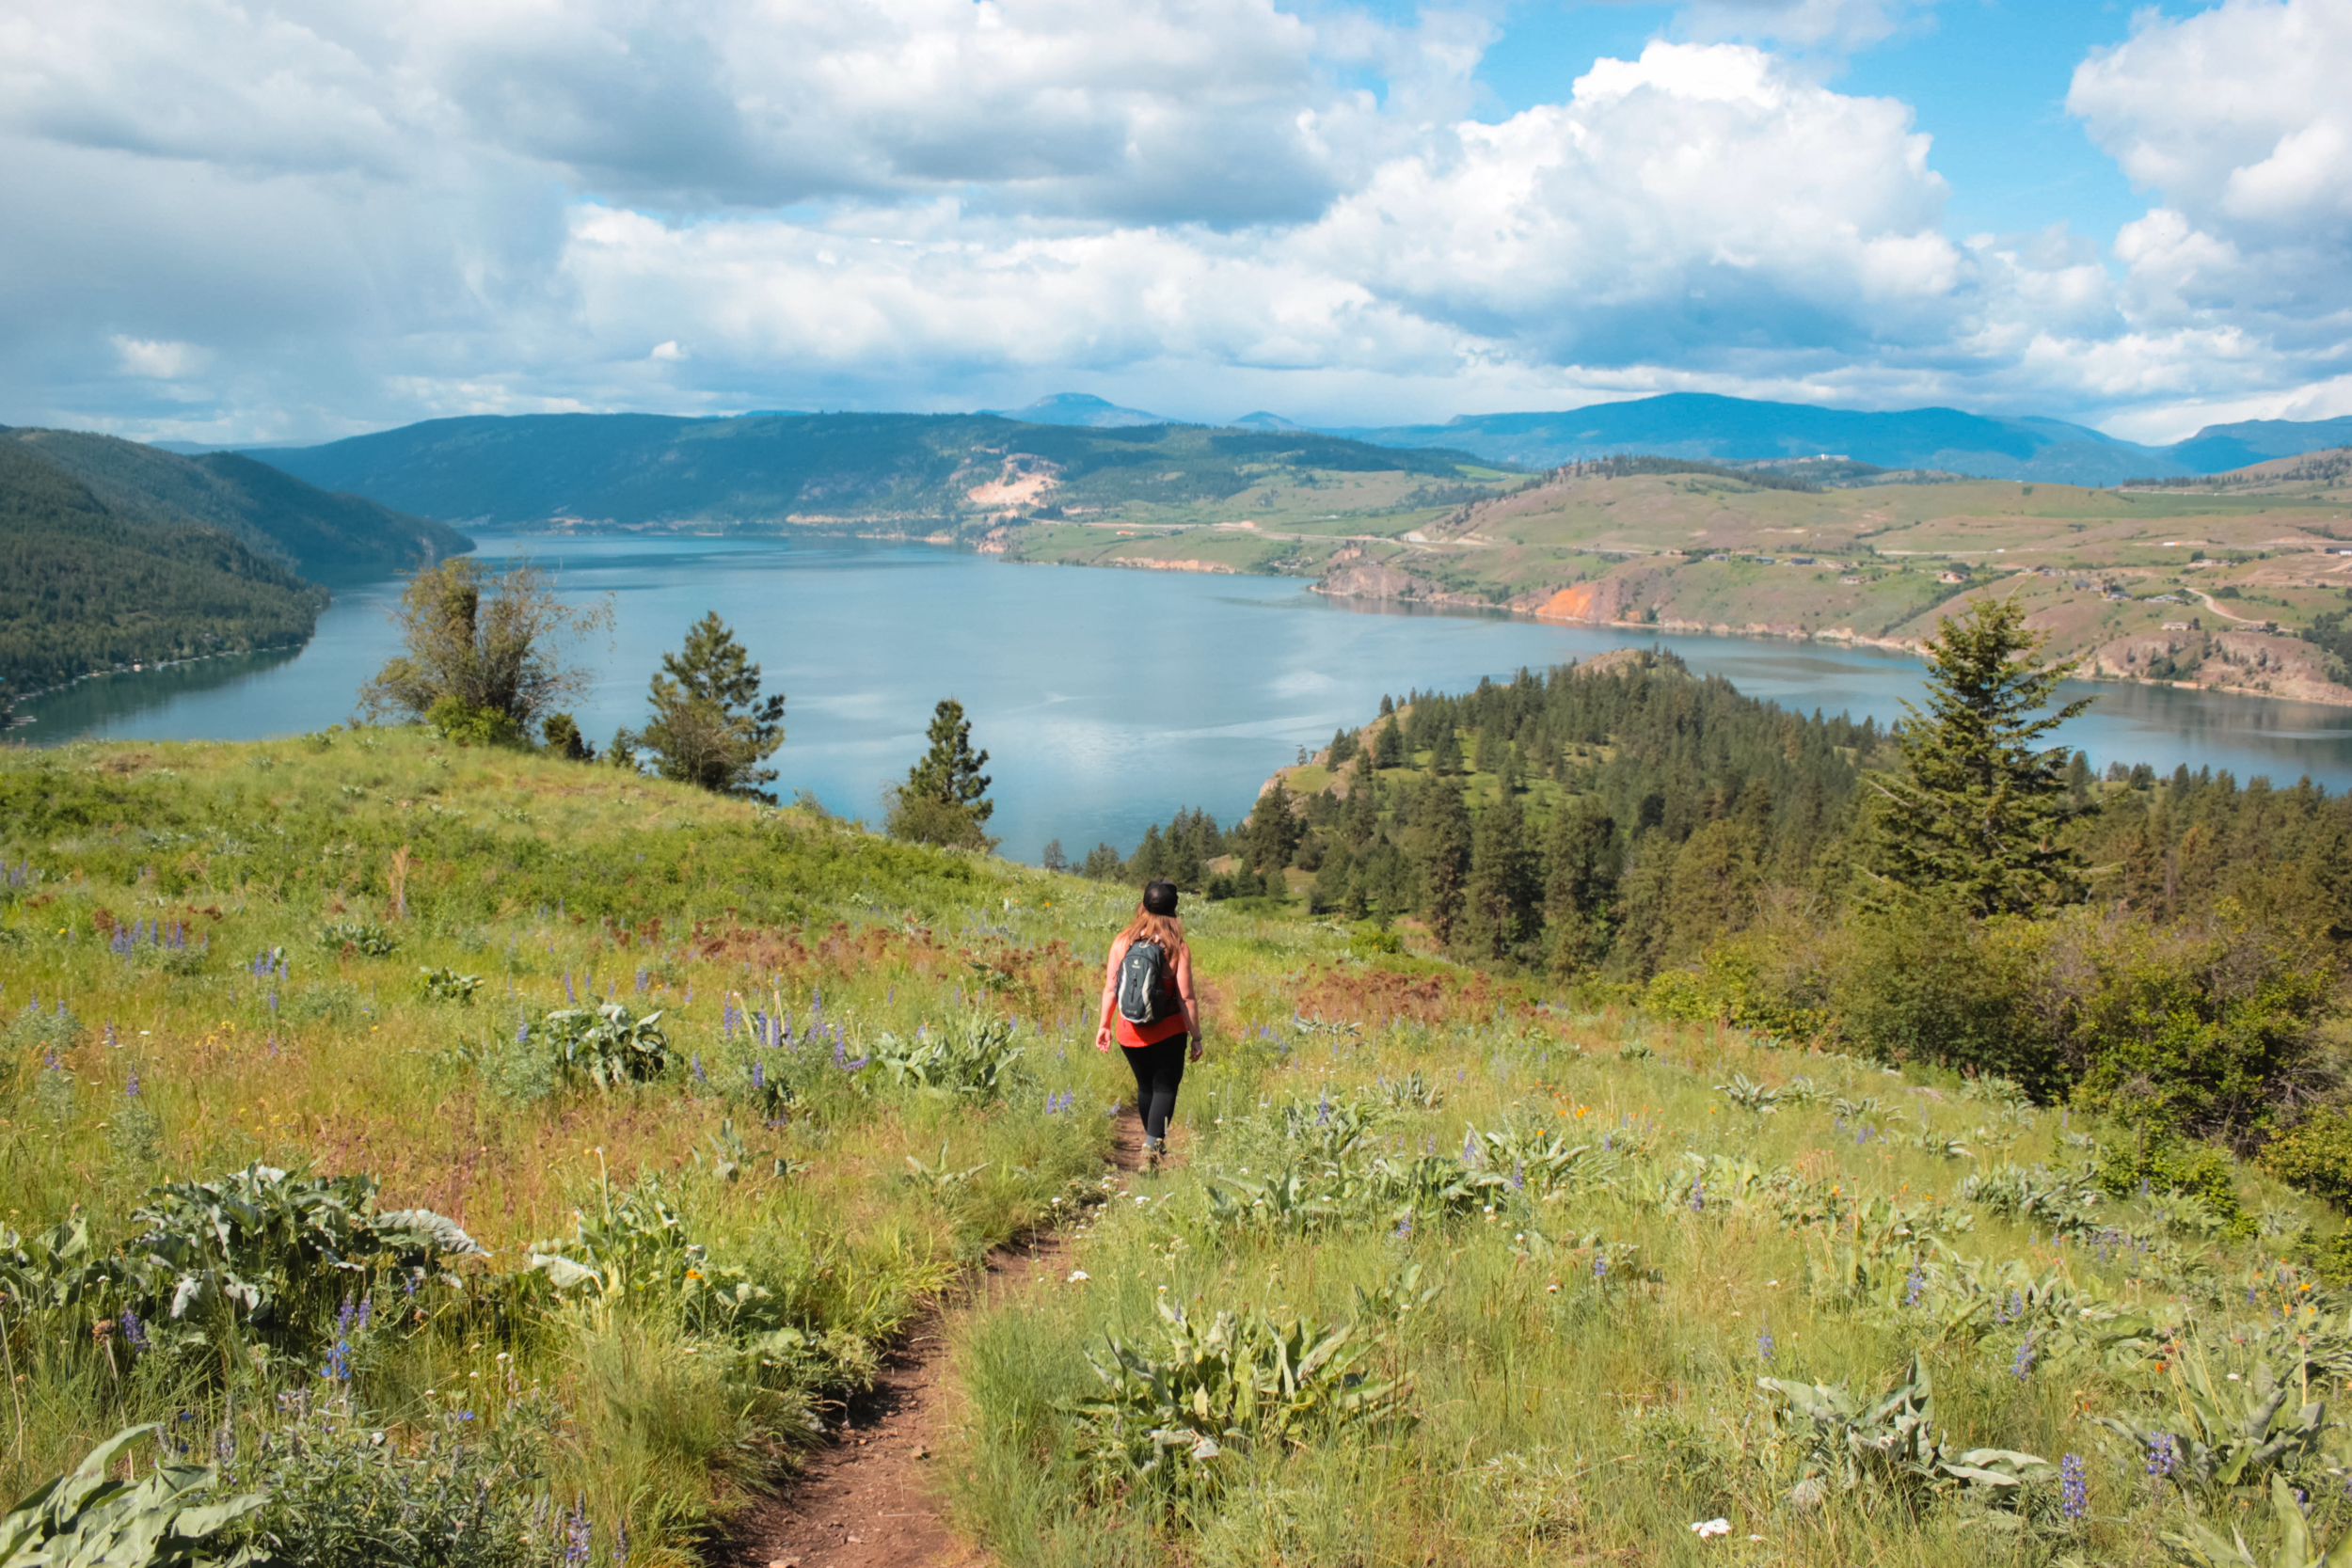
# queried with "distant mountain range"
point(1733, 430)
point(1701, 425)
point(908, 471)
point(114, 554)
point(1083, 409)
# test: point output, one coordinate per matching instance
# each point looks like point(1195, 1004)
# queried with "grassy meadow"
point(1509, 1268)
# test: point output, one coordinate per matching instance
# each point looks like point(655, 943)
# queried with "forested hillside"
point(87, 586)
point(322, 535)
point(889, 471)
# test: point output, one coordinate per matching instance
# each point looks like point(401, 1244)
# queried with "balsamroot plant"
point(1891, 1444)
point(259, 1254)
point(446, 984)
point(2204, 1547)
point(1241, 1381)
point(608, 1047)
point(91, 1519)
point(2234, 1431)
point(973, 1056)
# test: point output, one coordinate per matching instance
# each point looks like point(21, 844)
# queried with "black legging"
point(1158, 1069)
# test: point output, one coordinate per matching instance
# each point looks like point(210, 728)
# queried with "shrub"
point(2315, 1155)
point(345, 1493)
point(2161, 1165)
point(468, 725)
point(2200, 1030)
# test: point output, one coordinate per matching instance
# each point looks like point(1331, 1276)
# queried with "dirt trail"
point(869, 1497)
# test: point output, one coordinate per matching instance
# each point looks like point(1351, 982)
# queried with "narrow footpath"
point(870, 1496)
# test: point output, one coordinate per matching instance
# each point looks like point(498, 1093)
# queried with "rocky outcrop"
point(2255, 663)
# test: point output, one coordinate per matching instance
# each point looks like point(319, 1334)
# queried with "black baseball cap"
point(1159, 897)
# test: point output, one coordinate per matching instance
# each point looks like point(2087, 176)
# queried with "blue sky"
point(292, 219)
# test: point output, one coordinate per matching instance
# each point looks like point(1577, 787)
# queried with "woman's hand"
point(1196, 1048)
point(1102, 1037)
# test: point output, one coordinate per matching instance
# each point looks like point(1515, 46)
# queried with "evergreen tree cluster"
point(1613, 817)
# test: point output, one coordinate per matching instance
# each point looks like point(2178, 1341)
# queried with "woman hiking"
point(1149, 1007)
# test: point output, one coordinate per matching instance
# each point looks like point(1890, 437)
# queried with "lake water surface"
point(1106, 699)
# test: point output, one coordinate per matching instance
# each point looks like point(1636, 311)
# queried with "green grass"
point(1565, 1418)
point(1555, 1417)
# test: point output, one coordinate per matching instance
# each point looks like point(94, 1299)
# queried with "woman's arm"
point(1110, 996)
point(1192, 1004)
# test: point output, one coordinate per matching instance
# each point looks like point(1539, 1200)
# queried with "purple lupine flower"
point(522, 1031)
point(1469, 1147)
point(130, 1086)
point(367, 1311)
point(1913, 1287)
point(133, 1331)
point(698, 1069)
point(1698, 1196)
point(339, 1361)
point(1764, 1346)
point(578, 1536)
point(759, 1075)
point(343, 1316)
point(641, 982)
point(2163, 1454)
point(2023, 1367)
point(1518, 1175)
point(1600, 1265)
point(1323, 1109)
point(2073, 1486)
point(570, 996)
point(1405, 1229)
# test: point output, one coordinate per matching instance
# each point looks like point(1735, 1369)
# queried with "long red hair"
point(1166, 929)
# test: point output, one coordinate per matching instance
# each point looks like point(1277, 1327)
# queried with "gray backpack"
point(1142, 986)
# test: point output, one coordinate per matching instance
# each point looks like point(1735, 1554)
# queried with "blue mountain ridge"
point(1724, 429)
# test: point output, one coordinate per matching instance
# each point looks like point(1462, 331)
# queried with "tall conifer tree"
point(1977, 813)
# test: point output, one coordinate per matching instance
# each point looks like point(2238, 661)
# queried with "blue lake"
point(1106, 699)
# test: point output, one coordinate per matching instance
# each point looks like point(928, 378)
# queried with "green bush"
point(473, 726)
point(2161, 1163)
point(2315, 1155)
point(344, 1493)
point(2202, 1030)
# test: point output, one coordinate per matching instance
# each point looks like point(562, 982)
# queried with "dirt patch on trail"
point(871, 1496)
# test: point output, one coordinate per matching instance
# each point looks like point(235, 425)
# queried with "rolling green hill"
point(322, 536)
point(87, 584)
point(891, 471)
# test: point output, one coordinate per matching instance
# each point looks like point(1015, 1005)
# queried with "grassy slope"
point(1567, 1415)
point(527, 871)
point(1636, 548)
point(1558, 1416)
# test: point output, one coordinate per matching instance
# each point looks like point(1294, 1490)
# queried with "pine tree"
point(1441, 827)
point(710, 725)
point(1977, 813)
point(1387, 751)
point(944, 799)
point(1580, 883)
point(1274, 830)
point(1500, 903)
point(1445, 752)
